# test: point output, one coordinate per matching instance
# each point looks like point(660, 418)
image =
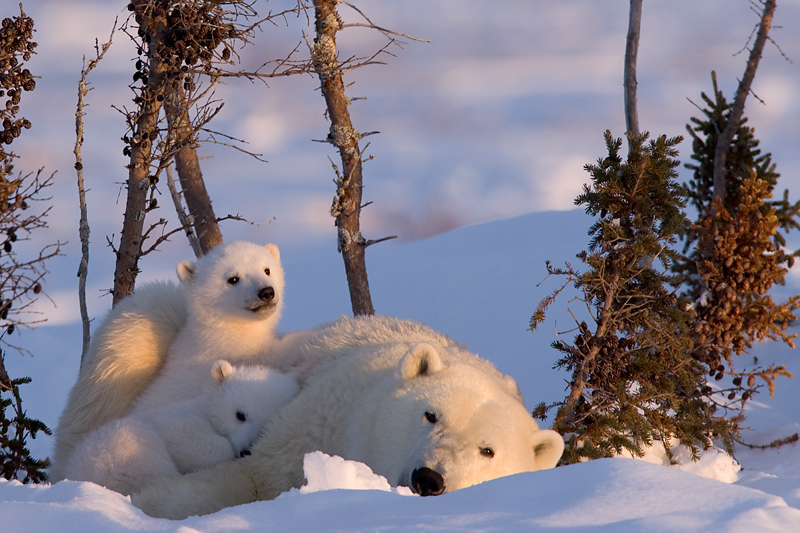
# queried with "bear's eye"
point(233, 280)
point(487, 452)
point(266, 271)
point(240, 416)
point(430, 417)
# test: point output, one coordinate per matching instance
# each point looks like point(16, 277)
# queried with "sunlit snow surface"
point(495, 117)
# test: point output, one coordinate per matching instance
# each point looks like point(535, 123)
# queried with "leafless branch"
point(371, 25)
point(83, 231)
point(370, 242)
point(737, 109)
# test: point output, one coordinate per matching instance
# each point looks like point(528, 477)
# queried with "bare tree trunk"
point(737, 110)
point(141, 150)
point(184, 219)
point(84, 230)
point(344, 137)
point(189, 174)
point(631, 53)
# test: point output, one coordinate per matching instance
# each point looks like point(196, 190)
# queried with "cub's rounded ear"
point(511, 385)
point(221, 370)
point(421, 360)
point(186, 270)
point(273, 249)
point(548, 445)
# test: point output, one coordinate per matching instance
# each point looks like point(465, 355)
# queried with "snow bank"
point(619, 495)
point(326, 472)
point(713, 464)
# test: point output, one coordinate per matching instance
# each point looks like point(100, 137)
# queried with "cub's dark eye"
point(233, 280)
point(430, 417)
point(487, 452)
point(266, 271)
point(240, 416)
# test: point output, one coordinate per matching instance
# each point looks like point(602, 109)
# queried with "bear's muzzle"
point(427, 482)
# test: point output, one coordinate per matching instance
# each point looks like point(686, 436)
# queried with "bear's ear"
point(273, 249)
point(186, 272)
point(421, 360)
point(511, 385)
point(222, 369)
point(548, 445)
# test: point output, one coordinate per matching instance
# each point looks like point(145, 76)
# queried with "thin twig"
point(373, 26)
point(83, 268)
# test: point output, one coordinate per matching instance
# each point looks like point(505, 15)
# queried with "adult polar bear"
point(232, 299)
point(412, 404)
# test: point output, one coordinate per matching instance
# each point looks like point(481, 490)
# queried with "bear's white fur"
point(159, 344)
point(415, 406)
point(234, 299)
point(126, 352)
point(219, 425)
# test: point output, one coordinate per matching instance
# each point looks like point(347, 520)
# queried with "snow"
point(605, 495)
point(325, 472)
point(479, 285)
point(495, 118)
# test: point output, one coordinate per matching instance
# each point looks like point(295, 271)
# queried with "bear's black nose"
point(244, 453)
point(427, 482)
point(266, 294)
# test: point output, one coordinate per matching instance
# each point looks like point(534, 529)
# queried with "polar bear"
point(126, 352)
point(219, 425)
point(410, 403)
point(233, 306)
point(228, 305)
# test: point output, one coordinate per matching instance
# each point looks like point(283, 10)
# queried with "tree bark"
point(141, 150)
point(84, 229)
point(347, 204)
point(190, 176)
point(631, 53)
point(737, 110)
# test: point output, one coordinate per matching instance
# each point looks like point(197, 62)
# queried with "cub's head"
point(244, 399)
point(239, 281)
point(460, 425)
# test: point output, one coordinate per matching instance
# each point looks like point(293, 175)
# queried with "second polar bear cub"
point(234, 297)
point(219, 425)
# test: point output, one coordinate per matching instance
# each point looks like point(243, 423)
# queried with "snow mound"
point(713, 464)
point(326, 472)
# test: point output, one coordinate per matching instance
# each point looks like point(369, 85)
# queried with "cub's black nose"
point(266, 294)
point(244, 453)
point(427, 482)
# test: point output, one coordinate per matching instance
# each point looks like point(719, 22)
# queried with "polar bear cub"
point(233, 299)
point(228, 304)
point(220, 425)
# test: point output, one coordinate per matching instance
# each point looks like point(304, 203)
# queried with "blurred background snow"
point(494, 118)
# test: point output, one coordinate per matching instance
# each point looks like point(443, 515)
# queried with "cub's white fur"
point(220, 424)
point(205, 318)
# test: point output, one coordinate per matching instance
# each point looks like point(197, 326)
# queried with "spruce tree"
point(16, 429)
point(734, 254)
point(744, 158)
point(738, 267)
point(633, 378)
